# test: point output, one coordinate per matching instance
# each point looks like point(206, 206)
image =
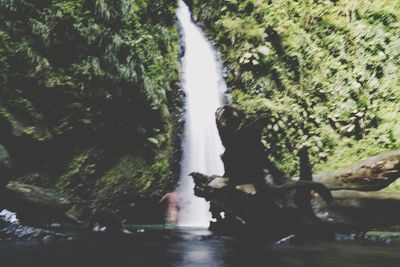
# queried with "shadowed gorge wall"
point(89, 92)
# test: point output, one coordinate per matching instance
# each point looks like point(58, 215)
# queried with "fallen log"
point(243, 210)
point(274, 213)
point(372, 174)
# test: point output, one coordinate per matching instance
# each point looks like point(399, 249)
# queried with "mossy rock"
point(132, 178)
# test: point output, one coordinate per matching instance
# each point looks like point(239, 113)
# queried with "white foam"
point(9, 216)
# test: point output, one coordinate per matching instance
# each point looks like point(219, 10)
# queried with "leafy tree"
point(87, 95)
point(325, 73)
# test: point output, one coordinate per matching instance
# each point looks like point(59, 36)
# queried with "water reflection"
point(194, 248)
point(203, 249)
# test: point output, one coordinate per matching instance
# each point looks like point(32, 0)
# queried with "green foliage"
point(324, 73)
point(79, 164)
point(93, 83)
point(66, 65)
point(107, 178)
point(133, 171)
point(133, 177)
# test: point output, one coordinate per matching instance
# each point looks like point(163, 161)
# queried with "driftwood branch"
point(274, 212)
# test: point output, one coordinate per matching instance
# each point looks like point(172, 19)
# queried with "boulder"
point(36, 205)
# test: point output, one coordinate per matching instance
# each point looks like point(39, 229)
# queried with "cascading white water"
point(204, 87)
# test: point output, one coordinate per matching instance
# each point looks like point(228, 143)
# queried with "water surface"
point(191, 247)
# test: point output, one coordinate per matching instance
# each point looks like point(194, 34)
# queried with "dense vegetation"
point(87, 88)
point(325, 73)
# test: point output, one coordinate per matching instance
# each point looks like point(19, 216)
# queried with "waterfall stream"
point(204, 88)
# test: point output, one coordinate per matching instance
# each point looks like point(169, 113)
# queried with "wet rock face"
point(35, 205)
point(19, 232)
point(3, 223)
point(5, 166)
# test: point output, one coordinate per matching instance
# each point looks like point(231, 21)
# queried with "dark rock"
point(245, 159)
point(36, 205)
point(20, 232)
point(355, 210)
point(3, 223)
point(5, 167)
point(105, 220)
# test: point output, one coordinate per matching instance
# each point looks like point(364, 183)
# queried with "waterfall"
point(204, 88)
